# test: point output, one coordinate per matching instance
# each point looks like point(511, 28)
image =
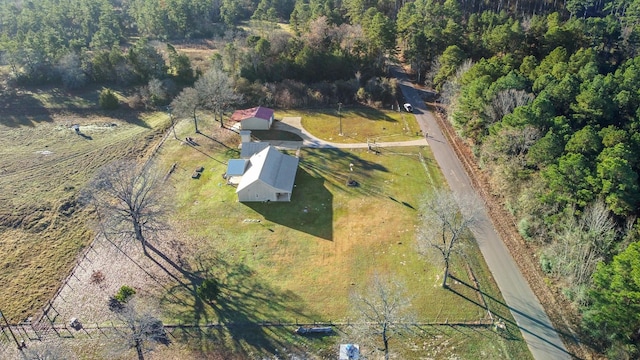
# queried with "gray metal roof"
point(250, 148)
point(236, 167)
point(272, 168)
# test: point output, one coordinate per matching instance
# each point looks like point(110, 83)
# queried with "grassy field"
point(301, 261)
point(358, 124)
point(289, 262)
point(44, 164)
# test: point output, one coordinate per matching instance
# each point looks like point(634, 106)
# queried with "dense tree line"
point(549, 103)
point(546, 91)
point(76, 42)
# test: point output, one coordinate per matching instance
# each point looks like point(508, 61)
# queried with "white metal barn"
point(257, 118)
point(269, 177)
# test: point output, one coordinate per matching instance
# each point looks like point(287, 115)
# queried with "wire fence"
point(23, 333)
point(36, 330)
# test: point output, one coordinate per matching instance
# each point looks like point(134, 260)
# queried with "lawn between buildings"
point(299, 262)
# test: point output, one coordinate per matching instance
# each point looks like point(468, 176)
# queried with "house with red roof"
point(257, 118)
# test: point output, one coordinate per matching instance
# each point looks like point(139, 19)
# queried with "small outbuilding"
point(270, 176)
point(257, 118)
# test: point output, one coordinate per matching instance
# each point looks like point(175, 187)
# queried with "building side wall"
point(255, 124)
point(261, 192)
point(257, 191)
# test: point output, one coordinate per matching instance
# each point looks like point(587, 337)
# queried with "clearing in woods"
point(273, 262)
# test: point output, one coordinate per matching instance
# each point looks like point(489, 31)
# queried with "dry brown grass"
point(44, 165)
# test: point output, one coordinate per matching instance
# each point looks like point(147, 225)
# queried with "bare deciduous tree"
point(504, 102)
point(143, 330)
point(349, 36)
point(451, 88)
point(128, 200)
point(446, 220)
point(70, 70)
point(384, 308)
point(157, 92)
point(186, 104)
point(215, 92)
point(317, 36)
point(47, 350)
point(585, 241)
point(511, 144)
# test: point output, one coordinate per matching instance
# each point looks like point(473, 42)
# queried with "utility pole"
point(11, 331)
point(173, 126)
point(340, 116)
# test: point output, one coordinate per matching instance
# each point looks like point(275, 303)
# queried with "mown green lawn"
point(358, 124)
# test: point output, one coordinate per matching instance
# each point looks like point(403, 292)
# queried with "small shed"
point(269, 177)
point(257, 118)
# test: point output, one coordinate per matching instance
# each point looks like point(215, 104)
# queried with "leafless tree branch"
point(446, 220)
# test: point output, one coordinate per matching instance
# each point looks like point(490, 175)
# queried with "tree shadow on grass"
point(334, 165)
point(124, 114)
point(327, 162)
point(310, 209)
point(372, 114)
point(524, 313)
point(235, 310)
point(23, 110)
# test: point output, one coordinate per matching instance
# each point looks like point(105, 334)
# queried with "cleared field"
point(359, 124)
point(44, 165)
point(300, 261)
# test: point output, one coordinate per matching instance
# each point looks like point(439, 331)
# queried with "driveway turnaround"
point(538, 331)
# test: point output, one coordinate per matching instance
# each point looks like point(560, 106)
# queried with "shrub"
point(97, 277)
point(108, 100)
point(124, 293)
point(546, 264)
point(524, 228)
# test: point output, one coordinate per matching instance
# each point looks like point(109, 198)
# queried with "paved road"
point(542, 339)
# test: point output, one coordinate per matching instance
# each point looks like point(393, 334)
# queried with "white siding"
point(258, 191)
point(255, 124)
